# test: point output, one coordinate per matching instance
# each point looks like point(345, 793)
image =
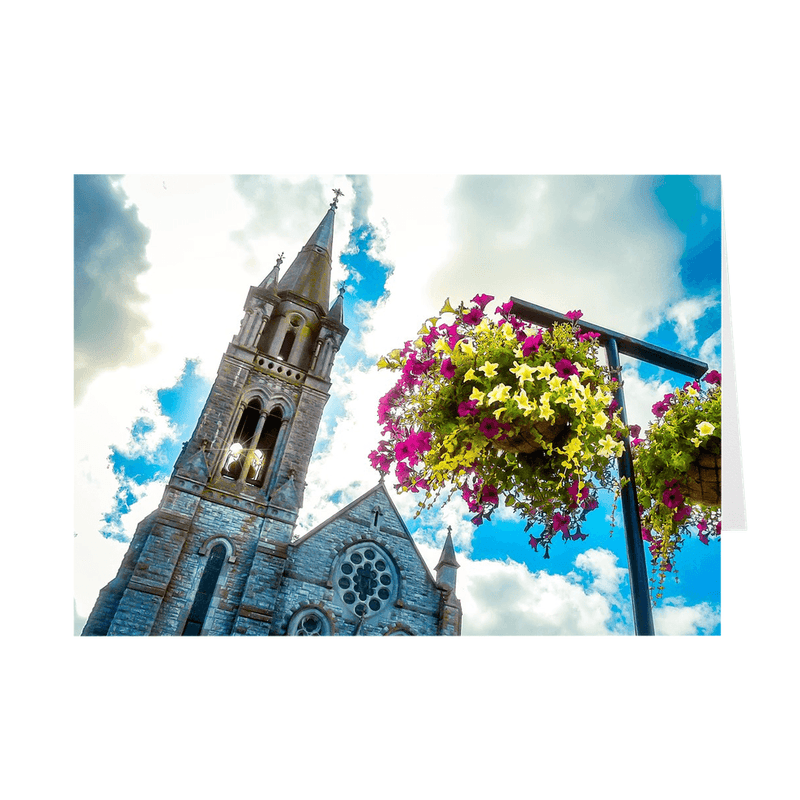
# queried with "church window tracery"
point(365, 579)
point(253, 443)
point(309, 622)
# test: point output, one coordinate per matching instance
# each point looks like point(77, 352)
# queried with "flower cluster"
point(681, 452)
point(490, 408)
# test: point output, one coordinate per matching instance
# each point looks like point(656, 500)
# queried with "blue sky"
point(165, 263)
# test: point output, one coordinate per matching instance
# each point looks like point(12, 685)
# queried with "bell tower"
point(211, 558)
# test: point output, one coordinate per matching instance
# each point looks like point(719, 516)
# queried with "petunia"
point(481, 300)
point(565, 368)
point(499, 394)
point(470, 375)
point(560, 522)
point(469, 408)
point(489, 369)
point(477, 395)
point(546, 370)
point(489, 427)
point(531, 344)
point(448, 369)
point(489, 495)
point(504, 309)
point(705, 428)
point(574, 315)
point(524, 372)
point(713, 377)
point(473, 316)
point(672, 497)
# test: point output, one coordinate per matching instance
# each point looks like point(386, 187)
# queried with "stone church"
point(218, 557)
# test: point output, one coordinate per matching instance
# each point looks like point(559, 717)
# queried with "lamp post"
point(616, 343)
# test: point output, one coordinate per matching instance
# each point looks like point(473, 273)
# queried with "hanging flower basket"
point(678, 469)
point(491, 408)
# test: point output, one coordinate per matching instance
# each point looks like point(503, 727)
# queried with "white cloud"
point(505, 598)
point(674, 618)
point(685, 314)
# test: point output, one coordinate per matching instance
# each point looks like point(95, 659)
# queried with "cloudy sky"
point(162, 268)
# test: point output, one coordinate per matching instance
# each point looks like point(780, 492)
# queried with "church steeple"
point(309, 275)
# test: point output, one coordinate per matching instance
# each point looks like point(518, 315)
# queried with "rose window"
point(365, 580)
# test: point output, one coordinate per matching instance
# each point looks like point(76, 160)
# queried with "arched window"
point(253, 444)
point(205, 591)
point(309, 622)
point(288, 343)
point(262, 456)
point(242, 440)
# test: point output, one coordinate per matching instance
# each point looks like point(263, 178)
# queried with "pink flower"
point(582, 337)
point(672, 497)
point(448, 369)
point(534, 542)
point(531, 344)
point(469, 408)
point(565, 368)
point(703, 537)
point(489, 427)
point(473, 316)
point(713, 377)
point(379, 461)
point(574, 315)
point(489, 495)
point(403, 471)
point(505, 309)
point(646, 535)
point(560, 522)
point(404, 450)
point(481, 300)
point(635, 430)
point(684, 512)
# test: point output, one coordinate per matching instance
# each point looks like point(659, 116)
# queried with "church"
point(220, 556)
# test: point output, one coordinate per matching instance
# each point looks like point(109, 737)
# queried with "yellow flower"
point(508, 331)
point(483, 327)
point(499, 394)
point(477, 395)
point(603, 396)
point(523, 372)
point(705, 428)
point(470, 375)
point(578, 403)
point(524, 403)
point(441, 346)
point(608, 446)
point(466, 347)
point(573, 447)
point(447, 308)
point(489, 369)
point(546, 371)
point(600, 419)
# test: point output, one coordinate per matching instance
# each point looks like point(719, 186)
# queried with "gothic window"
point(365, 579)
point(286, 347)
point(205, 591)
point(245, 450)
point(309, 622)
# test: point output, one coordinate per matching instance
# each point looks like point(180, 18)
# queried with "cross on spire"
point(336, 195)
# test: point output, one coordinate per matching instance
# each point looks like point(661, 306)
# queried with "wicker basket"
point(526, 441)
point(704, 479)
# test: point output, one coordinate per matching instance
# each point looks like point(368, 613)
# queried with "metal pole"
point(637, 565)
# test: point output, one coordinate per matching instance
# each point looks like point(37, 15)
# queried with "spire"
point(272, 278)
point(337, 309)
point(448, 557)
point(309, 275)
point(447, 566)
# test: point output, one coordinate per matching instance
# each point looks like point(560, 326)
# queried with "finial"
point(279, 261)
point(341, 286)
point(336, 195)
